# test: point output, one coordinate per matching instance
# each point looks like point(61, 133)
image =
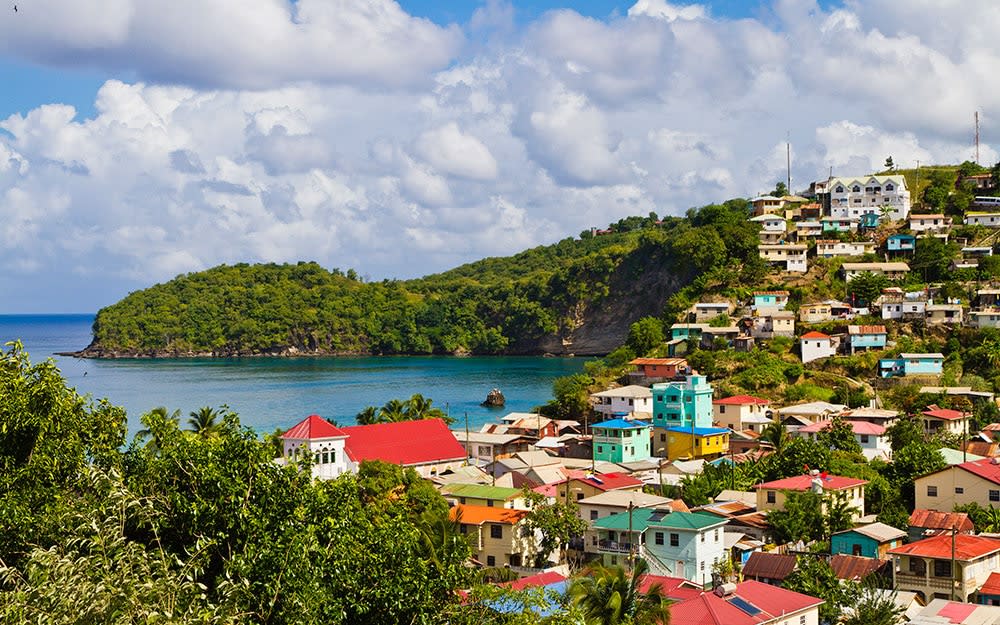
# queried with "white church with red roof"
point(427, 446)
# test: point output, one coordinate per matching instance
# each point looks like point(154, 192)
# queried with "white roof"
point(631, 390)
point(621, 499)
point(880, 532)
point(933, 356)
point(486, 438)
point(766, 218)
point(725, 305)
point(812, 408)
point(743, 497)
point(880, 179)
point(550, 442)
point(876, 266)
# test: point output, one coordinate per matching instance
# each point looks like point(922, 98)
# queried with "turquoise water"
point(272, 393)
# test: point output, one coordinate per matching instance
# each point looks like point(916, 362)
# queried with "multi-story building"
point(816, 345)
point(930, 223)
point(788, 256)
point(624, 400)
point(854, 197)
point(771, 495)
point(621, 440)
point(892, 271)
point(870, 436)
point(945, 566)
point(831, 248)
point(873, 540)
point(497, 535)
point(865, 338)
point(682, 420)
point(977, 481)
point(741, 412)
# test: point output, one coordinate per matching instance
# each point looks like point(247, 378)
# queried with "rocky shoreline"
point(100, 353)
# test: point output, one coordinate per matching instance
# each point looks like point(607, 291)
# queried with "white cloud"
point(292, 139)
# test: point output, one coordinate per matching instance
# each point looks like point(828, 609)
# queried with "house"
point(685, 331)
point(838, 224)
point(988, 318)
point(580, 485)
point(748, 603)
point(870, 541)
point(485, 447)
point(485, 495)
point(978, 182)
point(718, 338)
point(769, 568)
point(497, 535)
point(930, 223)
point(865, 338)
point(826, 248)
point(787, 256)
point(880, 195)
point(856, 568)
point(771, 495)
point(740, 546)
point(427, 446)
point(658, 369)
point(898, 244)
point(621, 440)
point(615, 502)
point(812, 411)
point(944, 612)
point(924, 523)
point(872, 438)
point(624, 400)
point(892, 271)
point(808, 229)
point(977, 482)
point(937, 420)
point(773, 228)
point(824, 311)
point(741, 412)
point(911, 364)
point(989, 594)
point(986, 219)
point(531, 425)
point(693, 442)
point(944, 566)
point(769, 300)
point(680, 544)
point(895, 304)
point(943, 314)
point(868, 222)
point(816, 345)
point(977, 252)
point(878, 416)
point(767, 324)
point(988, 298)
point(959, 391)
point(683, 403)
point(706, 311)
point(767, 205)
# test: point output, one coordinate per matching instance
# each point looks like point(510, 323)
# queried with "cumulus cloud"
point(354, 134)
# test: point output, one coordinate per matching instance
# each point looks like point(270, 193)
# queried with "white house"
point(790, 257)
point(773, 228)
point(989, 318)
point(770, 324)
point(929, 223)
point(830, 248)
point(624, 400)
point(892, 271)
point(706, 311)
point(317, 438)
point(741, 412)
point(989, 220)
point(871, 436)
point(816, 345)
point(854, 197)
point(895, 304)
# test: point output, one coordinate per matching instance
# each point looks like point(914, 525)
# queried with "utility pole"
point(977, 137)
point(954, 530)
point(468, 444)
point(631, 537)
point(917, 190)
point(788, 160)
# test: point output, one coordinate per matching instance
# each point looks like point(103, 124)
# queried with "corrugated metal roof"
point(855, 567)
point(775, 566)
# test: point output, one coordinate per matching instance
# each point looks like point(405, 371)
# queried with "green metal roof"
point(643, 518)
point(480, 491)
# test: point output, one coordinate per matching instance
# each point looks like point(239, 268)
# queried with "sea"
point(271, 393)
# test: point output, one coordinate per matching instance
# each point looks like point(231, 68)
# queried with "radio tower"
point(977, 137)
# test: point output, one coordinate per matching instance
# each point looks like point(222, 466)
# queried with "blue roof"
point(699, 431)
point(621, 424)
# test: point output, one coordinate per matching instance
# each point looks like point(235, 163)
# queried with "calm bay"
point(271, 393)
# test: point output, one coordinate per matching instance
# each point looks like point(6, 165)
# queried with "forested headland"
point(578, 296)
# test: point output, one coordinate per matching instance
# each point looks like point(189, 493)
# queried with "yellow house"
point(771, 495)
point(485, 495)
point(977, 481)
point(497, 535)
point(683, 443)
point(945, 566)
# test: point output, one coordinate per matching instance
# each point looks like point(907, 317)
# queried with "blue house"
point(838, 224)
point(770, 299)
point(911, 364)
point(901, 244)
point(684, 331)
point(865, 338)
point(868, 221)
point(869, 541)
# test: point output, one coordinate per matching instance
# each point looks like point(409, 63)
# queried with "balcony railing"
point(944, 583)
point(615, 546)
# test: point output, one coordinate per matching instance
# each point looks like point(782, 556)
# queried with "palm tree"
point(393, 410)
point(775, 434)
point(990, 520)
point(610, 596)
point(203, 422)
point(367, 416)
point(156, 414)
point(420, 407)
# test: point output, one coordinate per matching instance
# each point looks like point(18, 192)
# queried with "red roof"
point(983, 468)
point(742, 400)
point(932, 519)
point(312, 428)
point(659, 361)
point(710, 609)
point(770, 292)
point(605, 481)
point(945, 413)
point(804, 482)
point(866, 329)
point(676, 588)
point(538, 579)
point(967, 547)
point(814, 335)
point(957, 612)
point(858, 427)
point(406, 442)
point(854, 567)
point(992, 585)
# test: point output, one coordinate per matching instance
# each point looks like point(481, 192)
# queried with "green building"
point(621, 440)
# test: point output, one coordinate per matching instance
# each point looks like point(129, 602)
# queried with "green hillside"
point(576, 296)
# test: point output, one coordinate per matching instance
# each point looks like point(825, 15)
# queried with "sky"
point(142, 139)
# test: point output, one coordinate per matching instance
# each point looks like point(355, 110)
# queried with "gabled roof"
point(750, 603)
point(985, 469)
point(815, 335)
point(932, 519)
point(605, 481)
point(622, 498)
point(877, 531)
point(676, 588)
point(632, 390)
point(928, 356)
point(854, 568)
point(642, 518)
point(546, 578)
point(966, 547)
point(992, 585)
point(945, 413)
point(480, 491)
point(313, 427)
point(405, 442)
point(859, 428)
point(741, 400)
point(621, 424)
point(932, 216)
point(477, 515)
point(865, 329)
point(776, 566)
point(666, 362)
point(698, 431)
point(804, 482)
point(756, 293)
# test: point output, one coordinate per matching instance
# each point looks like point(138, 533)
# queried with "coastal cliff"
point(578, 296)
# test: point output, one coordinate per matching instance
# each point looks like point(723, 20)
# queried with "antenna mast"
point(977, 137)
point(788, 161)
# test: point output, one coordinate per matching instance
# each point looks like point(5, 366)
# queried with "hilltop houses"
point(878, 195)
point(930, 224)
point(911, 364)
point(789, 257)
point(816, 345)
point(892, 271)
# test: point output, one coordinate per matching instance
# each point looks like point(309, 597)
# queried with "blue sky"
point(362, 137)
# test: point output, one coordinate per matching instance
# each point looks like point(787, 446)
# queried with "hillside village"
point(844, 486)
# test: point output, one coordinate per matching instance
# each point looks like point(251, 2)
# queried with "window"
point(658, 538)
point(856, 549)
point(491, 561)
point(770, 496)
point(675, 540)
point(579, 496)
point(722, 410)
point(716, 534)
point(865, 439)
point(995, 495)
point(701, 565)
point(464, 529)
point(326, 457)
point(703, 537)
point(856, 189)
point(593, 515)
point(942, 568)
point(932, 491)
point(959, 490)
point(663, 437)
point(489, 503)
point(600, 449)
point(496, 531)
point(802, 620)
point(889, 187)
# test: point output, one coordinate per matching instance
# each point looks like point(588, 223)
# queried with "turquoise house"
point(621, 440)
point(684, 331)
point(866, 338)
point(868, 221)
point(911, 364)
point(838, 224)
point(678, 404)
point(869, 541)
point(901, 243)
point(676, 544)
point(770, 299)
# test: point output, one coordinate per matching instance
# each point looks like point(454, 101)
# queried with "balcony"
point(614, 546)
point(907, 582)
